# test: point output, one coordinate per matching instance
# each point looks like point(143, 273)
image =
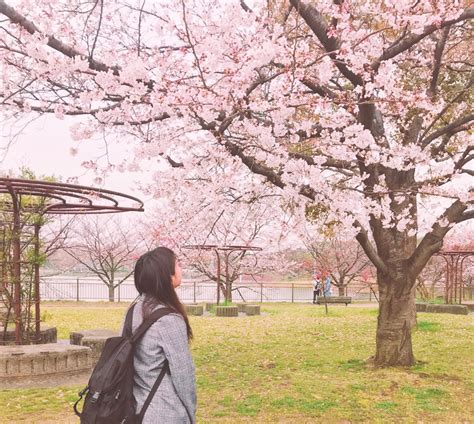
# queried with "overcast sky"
point(45, 146)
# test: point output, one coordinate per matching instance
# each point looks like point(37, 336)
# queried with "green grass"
point(293, 365)
point(428, 326)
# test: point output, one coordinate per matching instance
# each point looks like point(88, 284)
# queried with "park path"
point(80, 379)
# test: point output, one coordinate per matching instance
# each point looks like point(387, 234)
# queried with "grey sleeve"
point(174, 341)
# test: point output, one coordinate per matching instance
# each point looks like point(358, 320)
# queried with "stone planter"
point(93, 339)
point(241, 306)
point(47, 335)
point(194, 309)
point(76, 337)
point(447, 309)
point(470, 306)
point(209, 306)
point(19, 362)
point(252, 310)
point(421, 307)
point(227, 311)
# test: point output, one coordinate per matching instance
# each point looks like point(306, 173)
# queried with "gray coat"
point(175, 400)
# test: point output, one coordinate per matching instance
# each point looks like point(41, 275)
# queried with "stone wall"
point(48, 359)
point(442, 309)
point(47, 335)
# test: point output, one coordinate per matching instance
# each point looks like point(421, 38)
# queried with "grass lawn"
point(293, 365)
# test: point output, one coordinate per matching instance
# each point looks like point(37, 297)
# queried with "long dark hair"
point(153, 272)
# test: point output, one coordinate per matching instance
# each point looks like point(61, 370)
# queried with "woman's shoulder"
point(172, 318)
point(171, 324)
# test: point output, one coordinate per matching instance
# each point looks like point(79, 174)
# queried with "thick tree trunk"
point(342, 291)
point(111, 293)
point(395, 321)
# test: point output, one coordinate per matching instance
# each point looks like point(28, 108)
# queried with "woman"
point(157, 274)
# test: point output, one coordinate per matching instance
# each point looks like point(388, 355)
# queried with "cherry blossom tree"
point(359, 106)
point(188, 221)
point(343, 260)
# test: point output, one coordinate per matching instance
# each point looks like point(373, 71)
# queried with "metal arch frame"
point(454, 273)
point(224, 248)
point(62, 199)
point(90, 199)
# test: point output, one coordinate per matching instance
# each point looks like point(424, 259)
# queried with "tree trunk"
point(342, 291)
point(395, 321)
point(228, 292)
point(111, 293)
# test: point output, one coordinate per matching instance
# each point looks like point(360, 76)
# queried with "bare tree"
point(105, 248)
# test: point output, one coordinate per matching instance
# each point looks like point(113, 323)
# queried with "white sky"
point(44, 146)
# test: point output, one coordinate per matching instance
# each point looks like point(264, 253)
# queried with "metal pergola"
point(454, 273)
point(21, 196)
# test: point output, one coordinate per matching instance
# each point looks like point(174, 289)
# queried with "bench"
point(321, 300)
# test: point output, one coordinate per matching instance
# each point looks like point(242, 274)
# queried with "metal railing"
point(92, 289)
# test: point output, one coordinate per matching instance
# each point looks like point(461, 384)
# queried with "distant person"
point(157, 274)
point(316, 288)
point(327, 286)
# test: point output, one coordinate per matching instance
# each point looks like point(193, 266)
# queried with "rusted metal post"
point(455, 260)
point(37, 281)
point(461, 265)
point(448, 274)
point(16, 263)
point(218, 276)
point(228, 293)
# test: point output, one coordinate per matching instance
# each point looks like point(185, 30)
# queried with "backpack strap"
point(164, 370)
point(148, 322)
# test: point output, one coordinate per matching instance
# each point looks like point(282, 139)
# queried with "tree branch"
point(466, 216)
point(318, 89)
point(465, 158)
point(245, 7)
point(53, 42)
point(318, 25)
point(437, 60)
point(446, 107)
point(402, 45)
point(369, 249)
point(447, 129)
point(433, 240)
point(329, 162)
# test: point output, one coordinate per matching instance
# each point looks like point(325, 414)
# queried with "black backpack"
point(109, 393)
